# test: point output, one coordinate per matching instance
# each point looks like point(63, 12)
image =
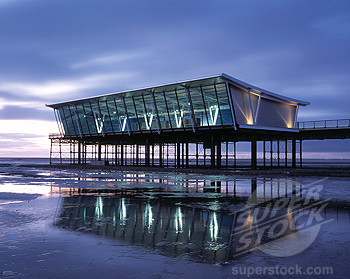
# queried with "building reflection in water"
point(205, 231)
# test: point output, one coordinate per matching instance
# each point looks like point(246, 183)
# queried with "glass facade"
point(144, 110)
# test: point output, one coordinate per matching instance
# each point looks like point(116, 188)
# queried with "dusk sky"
point(58, 50)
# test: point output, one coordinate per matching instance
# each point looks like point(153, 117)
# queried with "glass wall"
point(196, 106)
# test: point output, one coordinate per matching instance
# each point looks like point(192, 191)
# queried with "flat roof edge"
point(223, 75)
point(138, 89)
point(250, 86)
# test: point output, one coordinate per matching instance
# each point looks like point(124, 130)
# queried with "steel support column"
point(212, 153)
point(278, 153)
point(99, 151)
point(264, 151)
point(178, 153)
point(301, 154)
point(218, 155)
point(137, 154)
point(234, 154)
point(294, 153)
point(253, 153)
point(160, 154)
point(121, 153)
point(187, 155)
point(79, 152)
point(50, 151)
point(286, 153)
point(271, 153)
point(116, 154)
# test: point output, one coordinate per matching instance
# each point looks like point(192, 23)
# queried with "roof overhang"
point(261, 91)
point(192, 83)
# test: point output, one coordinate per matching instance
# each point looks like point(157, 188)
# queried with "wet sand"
point(333, 171)
point(56, 221)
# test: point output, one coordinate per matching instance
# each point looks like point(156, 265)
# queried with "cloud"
point(297, 48)
point(111, 59)
point(24, 145)
point(39, 127)
point(50, 90)
point(5, 136)
point(19, 112)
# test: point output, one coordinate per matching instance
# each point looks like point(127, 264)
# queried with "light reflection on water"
point(173, 214)
point(198, 220)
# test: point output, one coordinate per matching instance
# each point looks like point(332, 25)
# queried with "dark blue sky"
point(51, 51)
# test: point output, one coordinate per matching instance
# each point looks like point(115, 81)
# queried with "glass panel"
point(130, 107)
point(60, 121)
point(174, 110)
point(82, 119)
point(64, 121)
point(123, 120)
point(75, 120)
point(162, 110)
point(184, 109)
point(105, 117)
point(90, 118)
point(69, 122)
point(141, 113)
point(198, 106)
point(98, 118)
point(151, 114)
point(211, 103)
point(224, 104)
point(113, 111)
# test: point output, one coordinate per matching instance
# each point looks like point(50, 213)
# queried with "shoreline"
point(260, 172)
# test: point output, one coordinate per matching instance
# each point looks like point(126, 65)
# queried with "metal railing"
point(325, 124)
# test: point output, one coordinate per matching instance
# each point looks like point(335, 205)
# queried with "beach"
point(85, 222)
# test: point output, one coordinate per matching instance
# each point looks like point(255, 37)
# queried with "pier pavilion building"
point(193, 123)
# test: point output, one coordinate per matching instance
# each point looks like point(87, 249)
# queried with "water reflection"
point(207, 231)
